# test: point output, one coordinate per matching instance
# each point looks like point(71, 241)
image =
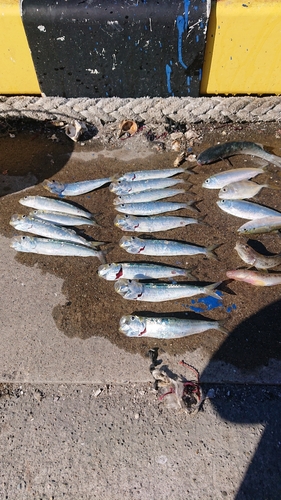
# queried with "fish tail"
point(201, 220)
point(188, 273)
point(210, 290)
point(221, 327)
point(191, 205)
point(94, 244)
point(276, 160)
point(210, 251)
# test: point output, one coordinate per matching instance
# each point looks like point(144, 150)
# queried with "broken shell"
point(75, 129)
point(127, 127)
point(176, 145)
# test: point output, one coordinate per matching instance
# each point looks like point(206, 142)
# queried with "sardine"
point(161, 292)
point(149, 195)
point(255, 278)
point(262, 225)
point(153, 223)
point(44, 246)
point(75, 188)
point(256, 259)
point(49, 230)
point(165, 327)
point(62, 218)
point(135, 245)
point(241, 190)
point(143, 270)
point(153, 207)
point(54, 205)
point(246, 209)
point(143, 175)
point(227, 149)
point(127, 187)
point(222, 179)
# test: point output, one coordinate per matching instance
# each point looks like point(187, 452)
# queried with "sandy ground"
point(59, 308)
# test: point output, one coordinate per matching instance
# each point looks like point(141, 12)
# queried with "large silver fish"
point(153, 223)
point(135, 245)
point(49, 230)
point(262, 225)
point(75, 188)
point(153, 207)
point(127, 187)
point(63, 219)
point(149, 195)
point(142, 175)
point(226, 177)
point(165, 327)
point(44, 246)
point(256, 259)
point(246, 209)
point(142, 270)
point(54, 205)
point(227, 149)
point(161, 292)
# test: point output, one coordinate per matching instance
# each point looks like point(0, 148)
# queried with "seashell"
point(75, 129)
point(127, 127)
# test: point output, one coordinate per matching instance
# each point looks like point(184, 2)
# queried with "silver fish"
point(226, 177)
point(54, 205)
point(49, 230)
point(256, 259)
point(246, 209)
point(153, 207)
point(143, 270)
point(153, 223)
point(241, 190)
point(127, 187)
point(165, 327)
point(161, 292)
point(255, 278)
point(227, 149)
point(149, 195)
point(44, 246)
point(62, 218)
point(135, 245)
point(74, 188)
point(262, 225)
point(142, 175)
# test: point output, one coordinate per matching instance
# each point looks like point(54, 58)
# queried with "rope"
point(155, 110)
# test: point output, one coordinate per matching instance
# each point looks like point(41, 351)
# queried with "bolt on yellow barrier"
point(242, 54)
point(17, 73)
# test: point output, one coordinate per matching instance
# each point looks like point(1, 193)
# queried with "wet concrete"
point(92, 308)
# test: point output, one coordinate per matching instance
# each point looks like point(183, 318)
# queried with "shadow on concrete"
point(250, 346)
point(30, 151)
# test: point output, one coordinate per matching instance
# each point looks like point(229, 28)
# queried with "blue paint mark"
point(197, 38)
point(129, 38)
point(180, 26)
point(188, 81)
point(160, 45)
point(208, 303)
point(168, 75)
point(231, 308)
point(195, 7)
point(202, 25)
point(186, 7)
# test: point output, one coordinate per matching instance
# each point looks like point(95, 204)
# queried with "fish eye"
point(133, 318)
point(207, 181)
point(122, 205)
point(224, 189)
point(23, 216)
point(126, 216)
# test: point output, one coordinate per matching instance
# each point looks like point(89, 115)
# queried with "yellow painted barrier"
point(243, 48)
point(17, 73)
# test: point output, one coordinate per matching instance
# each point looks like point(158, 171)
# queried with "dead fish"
point(142, 175)
point(135, 245)
point(161, 292)
point(140, 270)
point(255, 278)
point(154, 223)
point(165, 327)
point(227, 149)
point(54, 205)
point(153, 207)
point(256, 259)
point(242, 190)
point(226, 177)
point(261, 225)
point(246, 209)
point(75, 188)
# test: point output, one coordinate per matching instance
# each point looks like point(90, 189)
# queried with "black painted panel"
point(118, 48)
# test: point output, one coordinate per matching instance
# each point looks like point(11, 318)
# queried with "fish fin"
point(221, 327)
point(210, 251)
point(271, 186)
point(189, 273)
point(276, 160)
point(115, 177)
point(202, 221)
point(210, 290)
